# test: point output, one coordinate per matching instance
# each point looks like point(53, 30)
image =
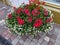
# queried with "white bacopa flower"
point(46, 30)
point(20, 25)
point(51, 28)
point(51, 15)
point(33, 28)
point(14, 27)
point(20, 28)
point(49, 11)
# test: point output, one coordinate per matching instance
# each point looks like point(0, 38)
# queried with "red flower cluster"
point(9, 15)
point(48, 20)
point(38, 8)
point(43, 3)
point(32, 1)
point(31, 16)
point(27, 12)
point(18, 11)
point(30, 19)
point(38, 23)
point(38, 3)
point(14, 8)
point(45, 12)
point(35, 12)
point(20, 21)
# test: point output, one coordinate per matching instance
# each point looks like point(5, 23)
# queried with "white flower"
point(46, 30)
point(49, 11)
point(20, 28)
point(14, 27)
point(51, 15)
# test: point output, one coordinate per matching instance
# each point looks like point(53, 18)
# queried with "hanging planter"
point(30, 19)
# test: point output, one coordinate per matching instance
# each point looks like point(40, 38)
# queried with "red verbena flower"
point(18, 11)
point(38, 12)
point(20, 21)
point(38, 3)
point(43, 3)
point(38, 23)
point(30, 19)
point(45, 12)
point(38, 8)
point(14, 8)
point(32, 1)
point(27, 12)
point(27, 4)
point(49, 20)
point(9, 15)
point(35, 12)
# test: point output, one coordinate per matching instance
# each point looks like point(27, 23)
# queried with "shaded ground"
point(51, 38)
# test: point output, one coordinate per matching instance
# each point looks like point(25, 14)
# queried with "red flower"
point(43, 3)
point(30, 19)
point(38, 8)
point(27, 12)
point(38, 23)
point(45, 12)
point(18, 11)
point(35, 12)
point(38, 12)
point(20, 21)
point(32, 1)
point(14, 8)
point(9, 15)
point(27, 4)
point(38, 3)
point(49, 20)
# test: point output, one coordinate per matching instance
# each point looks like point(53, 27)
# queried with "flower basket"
point(30, 19)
